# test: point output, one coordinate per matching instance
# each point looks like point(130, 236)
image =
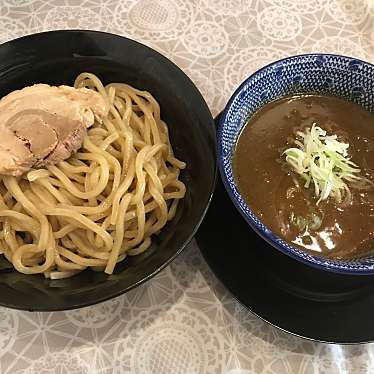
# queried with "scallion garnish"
point(323, 161)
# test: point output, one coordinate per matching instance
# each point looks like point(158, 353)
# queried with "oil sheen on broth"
point(277, 195)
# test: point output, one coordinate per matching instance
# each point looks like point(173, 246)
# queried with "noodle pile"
point(104, 202)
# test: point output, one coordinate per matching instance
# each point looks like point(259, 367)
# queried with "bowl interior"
point(57, 58)
point(333, 75)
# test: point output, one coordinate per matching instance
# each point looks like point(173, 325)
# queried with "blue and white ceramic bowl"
point(341, 76)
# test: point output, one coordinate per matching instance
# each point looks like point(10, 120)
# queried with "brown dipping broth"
point(278, 196)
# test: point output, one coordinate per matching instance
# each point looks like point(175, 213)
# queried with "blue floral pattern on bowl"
point(326, 74)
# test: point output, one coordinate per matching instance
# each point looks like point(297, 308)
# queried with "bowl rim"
point(194, 228)
point(317, 262)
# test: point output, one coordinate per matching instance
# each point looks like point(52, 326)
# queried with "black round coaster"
point(299, 299)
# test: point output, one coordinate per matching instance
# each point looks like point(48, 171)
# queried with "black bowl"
point(57, 58)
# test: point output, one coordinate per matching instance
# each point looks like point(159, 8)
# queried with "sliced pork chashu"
point(42, 124)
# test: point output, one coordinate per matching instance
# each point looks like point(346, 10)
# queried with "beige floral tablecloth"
point(183, 321)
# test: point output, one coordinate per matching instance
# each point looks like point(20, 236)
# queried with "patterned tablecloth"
point(183, 321)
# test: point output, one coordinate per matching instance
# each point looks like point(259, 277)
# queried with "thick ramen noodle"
point(102, 204)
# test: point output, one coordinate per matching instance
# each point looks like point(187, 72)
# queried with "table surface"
point(183, 321)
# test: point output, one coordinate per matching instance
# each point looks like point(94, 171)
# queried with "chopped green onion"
point(323, 162)
point(311, 221)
